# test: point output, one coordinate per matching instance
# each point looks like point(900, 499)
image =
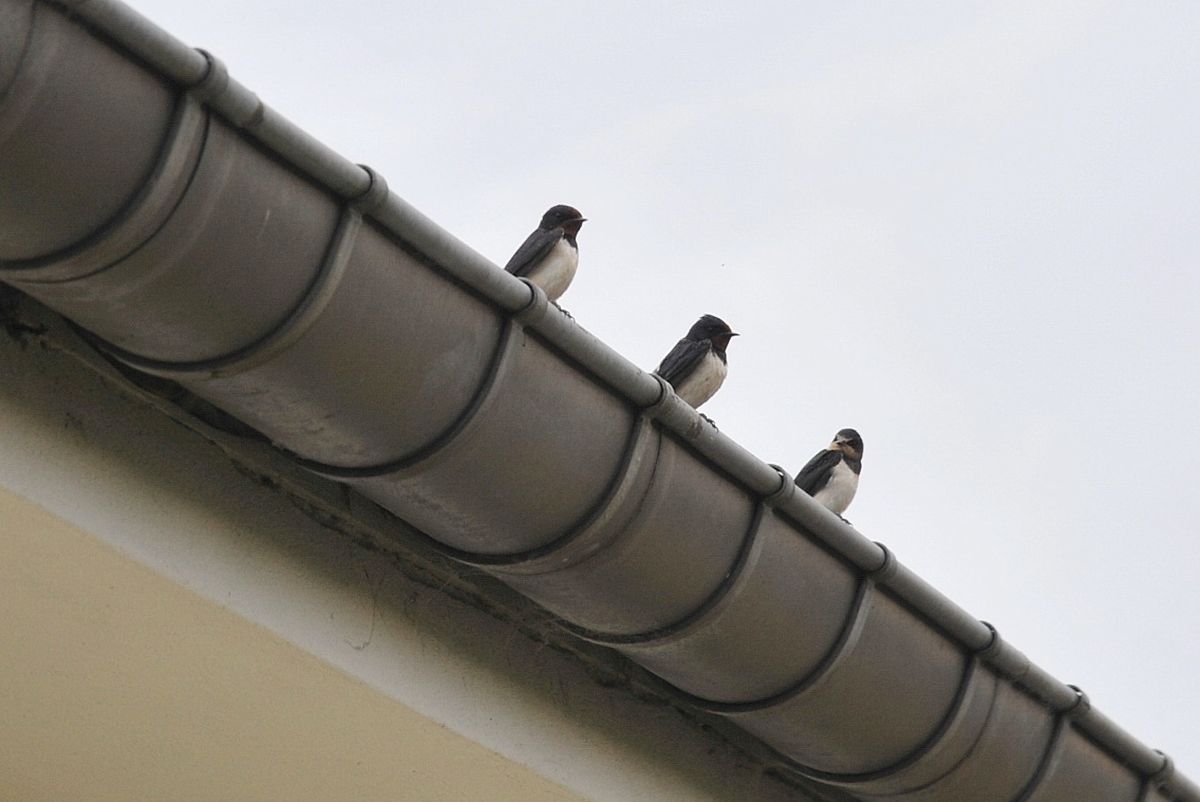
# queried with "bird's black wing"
point(815, 475)
point(683, 357)
point(535, 246)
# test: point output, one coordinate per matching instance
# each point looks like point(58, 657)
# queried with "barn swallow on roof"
point(696, 366)
point(831, 477)
point(549, 256)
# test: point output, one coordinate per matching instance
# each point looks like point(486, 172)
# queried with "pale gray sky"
point(968, 230)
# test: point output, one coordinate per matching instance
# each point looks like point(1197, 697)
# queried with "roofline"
point(364, 196)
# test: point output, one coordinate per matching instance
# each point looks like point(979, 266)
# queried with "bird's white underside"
point(555, 272)
point(704, 380)
point(839, 492)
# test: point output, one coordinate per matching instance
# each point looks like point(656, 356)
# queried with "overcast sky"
point(968, 230)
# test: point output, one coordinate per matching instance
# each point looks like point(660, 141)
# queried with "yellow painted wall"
point(118, 684)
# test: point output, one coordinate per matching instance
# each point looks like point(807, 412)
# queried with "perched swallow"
point(696, 366)
point(549, 256)
point(831, 477)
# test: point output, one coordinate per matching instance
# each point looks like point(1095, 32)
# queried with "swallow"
point(549, 256)
point(696, 366)
point(831, 477)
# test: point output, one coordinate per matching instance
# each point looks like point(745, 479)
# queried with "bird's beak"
point(734, 334)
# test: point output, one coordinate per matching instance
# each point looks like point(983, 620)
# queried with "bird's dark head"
point(567, 218)
point(712, 328)
point(849, 443)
